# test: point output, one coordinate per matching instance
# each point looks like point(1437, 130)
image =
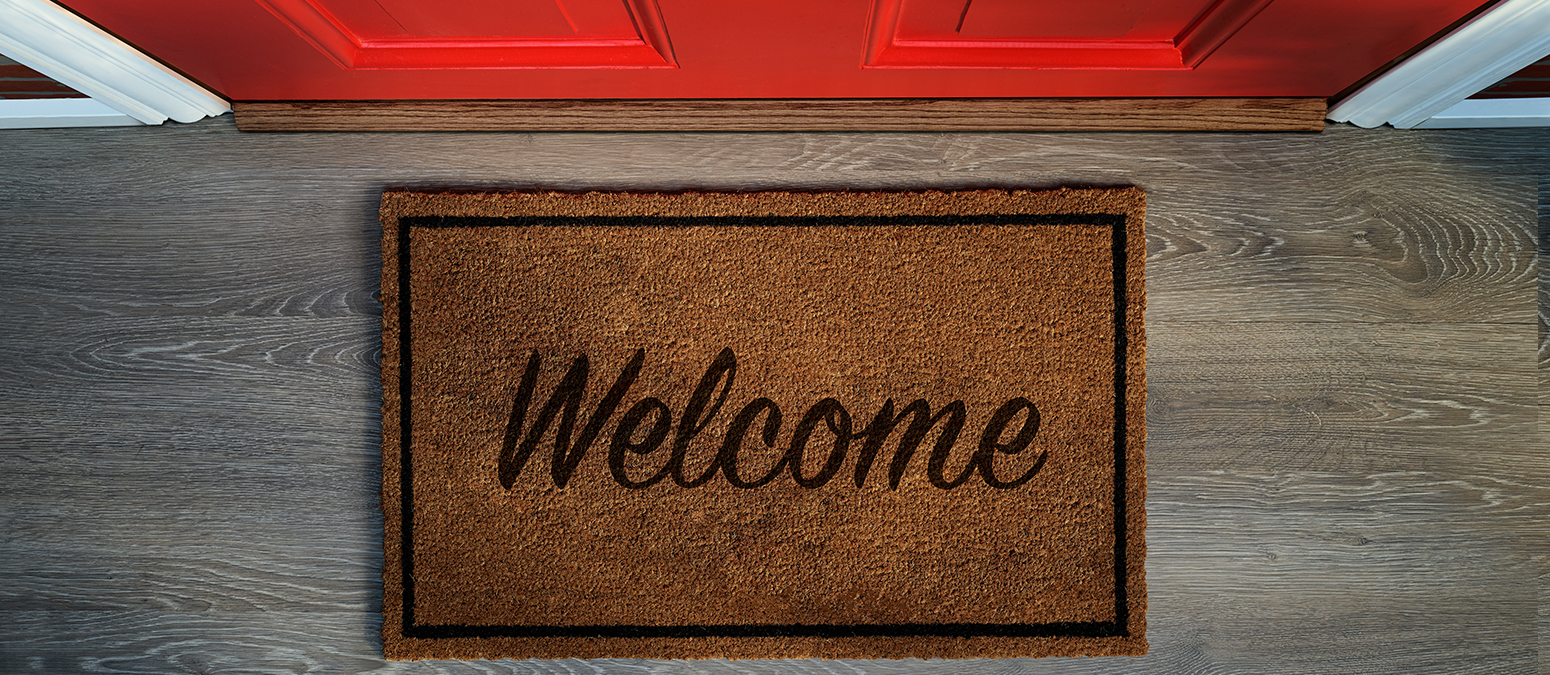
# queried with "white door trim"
point(1481, 113)
point(45, 113)
point(1478, 54)
point(54, 41)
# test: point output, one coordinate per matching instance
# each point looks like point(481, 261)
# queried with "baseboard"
point(1486, 113)
point(53, 113)
point(1016, 114)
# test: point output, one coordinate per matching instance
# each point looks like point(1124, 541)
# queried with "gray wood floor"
point(1348, 471)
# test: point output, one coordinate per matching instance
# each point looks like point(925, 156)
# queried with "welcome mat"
point(764, 425)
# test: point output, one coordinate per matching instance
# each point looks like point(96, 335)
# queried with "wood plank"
point(1244, 568)
point(1392, 250)
point(1012, 114)
point(1542, 438)
point(1544, 305)
point(1246, 227)
point(1342, 398)
point(1344, 470)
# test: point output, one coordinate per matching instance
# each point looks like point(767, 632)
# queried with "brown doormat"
point(767, 425)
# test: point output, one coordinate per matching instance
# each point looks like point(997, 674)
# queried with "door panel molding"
point(1214, 27)
point(1186, 51)
point(647, 47)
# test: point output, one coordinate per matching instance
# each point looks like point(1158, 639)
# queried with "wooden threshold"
point(979, 114)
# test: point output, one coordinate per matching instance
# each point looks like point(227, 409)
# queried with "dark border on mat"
point(1119, 627)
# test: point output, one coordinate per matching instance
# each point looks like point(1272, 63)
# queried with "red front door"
point(253, 50)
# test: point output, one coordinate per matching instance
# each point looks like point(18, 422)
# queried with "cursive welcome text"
point(649, 425)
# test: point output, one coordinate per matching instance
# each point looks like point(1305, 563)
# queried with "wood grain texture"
point(1544, 304)
point(1345, 470)
point(1011, 114)
point(1473, 384)
point(1543, 437)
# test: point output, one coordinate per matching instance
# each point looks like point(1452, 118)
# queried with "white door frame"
point(1493, 45)
point(125, 86)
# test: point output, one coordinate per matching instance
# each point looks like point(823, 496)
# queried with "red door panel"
point(545, 49)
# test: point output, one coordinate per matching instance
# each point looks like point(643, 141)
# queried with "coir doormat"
point(766, 425)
